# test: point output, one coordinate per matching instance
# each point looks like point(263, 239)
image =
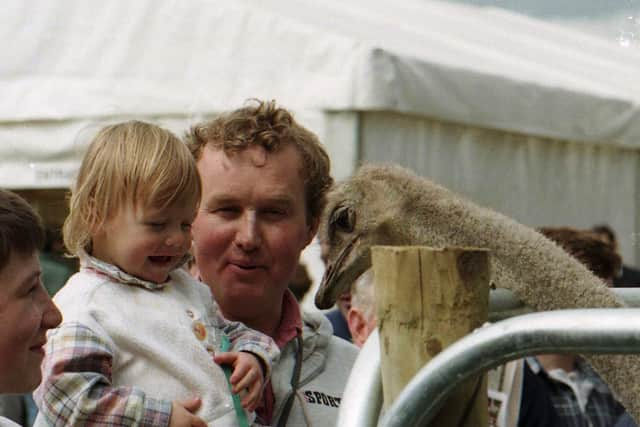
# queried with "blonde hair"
point(131, 162)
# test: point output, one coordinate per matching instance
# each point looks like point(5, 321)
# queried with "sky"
point(616, 20)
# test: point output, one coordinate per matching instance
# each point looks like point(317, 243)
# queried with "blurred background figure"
point(361, 316)
point(578, 395)
point(552, 390)
point(338, 316)
point(626, 276)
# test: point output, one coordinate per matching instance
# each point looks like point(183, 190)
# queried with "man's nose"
point(248, 234)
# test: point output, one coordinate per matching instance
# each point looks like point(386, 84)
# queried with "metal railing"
point(607, 331)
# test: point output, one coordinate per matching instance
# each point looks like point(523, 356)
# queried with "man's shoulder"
point(344, 347)
point(336, 354)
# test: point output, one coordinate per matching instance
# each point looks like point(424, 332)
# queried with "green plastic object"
point(242, 416)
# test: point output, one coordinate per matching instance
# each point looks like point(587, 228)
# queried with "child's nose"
point(176, 238)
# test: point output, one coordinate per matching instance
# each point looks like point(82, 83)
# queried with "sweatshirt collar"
point(290, 322)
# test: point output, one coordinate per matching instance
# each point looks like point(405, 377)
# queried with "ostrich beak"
point(341, 273)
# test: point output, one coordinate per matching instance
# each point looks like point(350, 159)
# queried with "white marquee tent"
point(534, 120)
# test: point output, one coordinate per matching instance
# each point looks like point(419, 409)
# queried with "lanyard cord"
point(295, 381)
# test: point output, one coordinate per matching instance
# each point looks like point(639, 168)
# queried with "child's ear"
point(97, 228)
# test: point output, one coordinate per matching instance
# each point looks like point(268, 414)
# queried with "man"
point(361, 317)
point(264, 179)
point(26, 310)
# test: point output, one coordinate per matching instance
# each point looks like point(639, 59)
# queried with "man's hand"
point(182, 413)
point(247, 375)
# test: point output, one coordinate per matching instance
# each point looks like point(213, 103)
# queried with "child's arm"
point(248, 340)
point(247, 375)
point(77, 390)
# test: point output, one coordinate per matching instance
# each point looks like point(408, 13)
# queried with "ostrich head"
point(360, 213)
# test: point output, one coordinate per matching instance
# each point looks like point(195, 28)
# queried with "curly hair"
point(264, 124)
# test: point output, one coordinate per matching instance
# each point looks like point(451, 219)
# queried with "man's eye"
point(227, 210)
point(274, 212)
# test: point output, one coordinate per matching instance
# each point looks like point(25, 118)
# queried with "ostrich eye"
point(343, 219)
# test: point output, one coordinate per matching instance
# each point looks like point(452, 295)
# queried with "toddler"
point(140, 338)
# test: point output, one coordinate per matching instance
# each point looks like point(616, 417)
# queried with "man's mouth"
point(244, 265)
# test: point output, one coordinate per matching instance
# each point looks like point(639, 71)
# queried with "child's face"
point(146, 242)
point(26, 313)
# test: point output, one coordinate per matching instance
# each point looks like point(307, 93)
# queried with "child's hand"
point(247, 375)
point(182, 413)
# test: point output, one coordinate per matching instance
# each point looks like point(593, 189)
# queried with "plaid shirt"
point(77, 384)
point(601, 408)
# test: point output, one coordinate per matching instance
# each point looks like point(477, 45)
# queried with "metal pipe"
point(362, 397)
point(503, 304)
point(607, 331)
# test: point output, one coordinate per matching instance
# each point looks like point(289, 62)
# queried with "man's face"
point(26, 313)
point(250, 229)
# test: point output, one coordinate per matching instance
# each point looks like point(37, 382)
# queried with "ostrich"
point(389, 205)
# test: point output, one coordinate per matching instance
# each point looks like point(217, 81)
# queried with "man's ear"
point(357, 326)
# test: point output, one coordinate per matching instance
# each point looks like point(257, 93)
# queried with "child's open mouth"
point(164, 259)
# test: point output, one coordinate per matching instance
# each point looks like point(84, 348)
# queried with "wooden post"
point(425, 300)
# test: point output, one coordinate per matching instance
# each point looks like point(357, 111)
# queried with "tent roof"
point(74, 61)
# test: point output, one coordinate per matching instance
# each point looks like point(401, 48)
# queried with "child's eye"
point(156, 225)
point(186, 226)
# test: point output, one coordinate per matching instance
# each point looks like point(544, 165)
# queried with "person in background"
point(26, 310)
point(577, 393)
point(626, 276)
point(264, 179)
point(338, 317)
point(361, 317)
point(504, 382)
